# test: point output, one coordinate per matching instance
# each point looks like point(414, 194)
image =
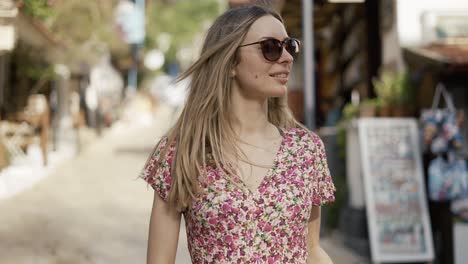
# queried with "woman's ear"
point(233, 73)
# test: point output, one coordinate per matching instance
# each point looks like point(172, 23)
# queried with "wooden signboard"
point(397, 213)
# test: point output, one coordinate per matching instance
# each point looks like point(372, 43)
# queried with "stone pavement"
point(93, 209)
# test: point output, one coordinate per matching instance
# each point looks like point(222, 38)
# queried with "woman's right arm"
point(163, 232)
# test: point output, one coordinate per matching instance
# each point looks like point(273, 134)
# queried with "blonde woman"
point(248, 179)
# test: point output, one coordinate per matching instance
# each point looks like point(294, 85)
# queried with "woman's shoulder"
point(302, 133)
point(304, 139)
point(163, 147)
point(157, 170)
point(163, 143)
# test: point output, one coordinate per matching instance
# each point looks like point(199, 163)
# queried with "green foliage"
point(32, 65)
point(36, 72)
point(393, 89)
point(374, 102)
point(350, 111)
point(87, 28)
point(384, 88)
point(37, 8)
point(403, 91)
point(182, 20)
point(333, 209)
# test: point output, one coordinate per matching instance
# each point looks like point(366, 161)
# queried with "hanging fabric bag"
point(448, 178)
point(440, 131)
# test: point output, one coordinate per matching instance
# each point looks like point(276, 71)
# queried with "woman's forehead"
point(266, 27)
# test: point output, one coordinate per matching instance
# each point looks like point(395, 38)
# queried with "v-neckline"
point(255, 191)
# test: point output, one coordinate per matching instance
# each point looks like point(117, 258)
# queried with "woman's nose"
point(286, 57)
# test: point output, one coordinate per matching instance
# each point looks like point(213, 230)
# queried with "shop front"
point(26, 78)
point(424, 54)
point(445, 64)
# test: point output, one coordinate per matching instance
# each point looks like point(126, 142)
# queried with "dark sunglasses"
point(272, 49)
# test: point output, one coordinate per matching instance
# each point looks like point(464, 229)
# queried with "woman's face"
point(255, 76)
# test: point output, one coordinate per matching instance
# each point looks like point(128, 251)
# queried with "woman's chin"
point(280, 91)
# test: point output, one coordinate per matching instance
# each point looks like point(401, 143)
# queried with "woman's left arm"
point(316, 255)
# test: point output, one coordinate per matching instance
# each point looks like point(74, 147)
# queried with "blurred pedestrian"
point(248, 178)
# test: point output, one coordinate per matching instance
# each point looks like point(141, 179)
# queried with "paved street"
point(93, 209)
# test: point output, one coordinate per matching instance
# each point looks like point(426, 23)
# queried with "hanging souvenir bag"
point(448, 178)
point(459, 205)
point(447, 175)
point(440, 131)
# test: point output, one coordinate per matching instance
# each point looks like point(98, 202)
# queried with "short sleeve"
point(323, 187)
point(158, 174)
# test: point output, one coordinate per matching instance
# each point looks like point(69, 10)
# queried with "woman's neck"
point(250, 116)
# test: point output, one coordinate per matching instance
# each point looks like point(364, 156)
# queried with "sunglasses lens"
point(272, 49)
point(292, 46)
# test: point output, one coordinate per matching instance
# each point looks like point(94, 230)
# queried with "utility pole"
point(309, 72)
point(130, 18)
point(135, 46)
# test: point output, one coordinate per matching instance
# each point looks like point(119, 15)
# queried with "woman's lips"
point(281, 77)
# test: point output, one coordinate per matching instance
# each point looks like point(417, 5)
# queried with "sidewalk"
point(93, 209)
point(90, 209)
point(22, 175)
point(338, 252)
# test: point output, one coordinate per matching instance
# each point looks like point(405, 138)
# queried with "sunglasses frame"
point(283, 46)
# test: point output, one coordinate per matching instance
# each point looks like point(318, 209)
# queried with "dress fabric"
point(230, 223)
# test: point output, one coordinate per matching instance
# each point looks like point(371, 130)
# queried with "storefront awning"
point(441, 57)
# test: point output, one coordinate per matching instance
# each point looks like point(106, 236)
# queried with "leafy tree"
point(37, 8)
point(86, 28)
point(181, 19)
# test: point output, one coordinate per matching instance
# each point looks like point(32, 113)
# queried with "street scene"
point(88, 88)
point(94, 209)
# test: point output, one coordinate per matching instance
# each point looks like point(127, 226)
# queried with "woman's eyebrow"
point(263, 38)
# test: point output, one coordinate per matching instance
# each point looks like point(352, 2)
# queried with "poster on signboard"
point(397, 212)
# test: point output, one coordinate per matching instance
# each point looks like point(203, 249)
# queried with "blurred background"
point(86, 90)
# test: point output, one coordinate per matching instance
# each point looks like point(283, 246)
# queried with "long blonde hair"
point(203, 132)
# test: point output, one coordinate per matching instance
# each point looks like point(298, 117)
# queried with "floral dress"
point(230, 223)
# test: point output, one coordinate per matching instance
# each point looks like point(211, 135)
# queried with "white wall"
point(409, 16)
point(460, 233)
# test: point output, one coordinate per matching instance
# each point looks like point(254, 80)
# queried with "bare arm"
point(315, 253)
point(163, 232)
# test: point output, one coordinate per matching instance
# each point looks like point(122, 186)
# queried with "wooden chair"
point(22, 128)
point(16, 137)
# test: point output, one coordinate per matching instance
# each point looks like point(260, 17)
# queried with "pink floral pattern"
point(229, 223)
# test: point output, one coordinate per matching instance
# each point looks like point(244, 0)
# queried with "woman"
point(247, 177)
